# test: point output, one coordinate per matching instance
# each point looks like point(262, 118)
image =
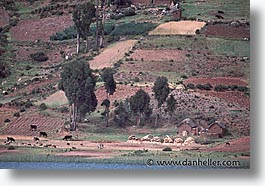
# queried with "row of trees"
point(87, 13)
point(78, 83)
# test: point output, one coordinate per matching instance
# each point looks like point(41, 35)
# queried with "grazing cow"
point(10, 139)
point(67, 137)
point(44, 134)
point(227, 144)
point(36, 139)
point(132, 137)
point(220, 12)
point(100, 146)
point(219, 16)
point(33, 127)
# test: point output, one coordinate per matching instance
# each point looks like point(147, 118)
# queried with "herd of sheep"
point(157, 140)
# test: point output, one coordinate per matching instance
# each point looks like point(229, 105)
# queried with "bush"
point(7, 120)
point(28, 104)
point(4, 69)
point(184, 76)
point(207, 86)
point(191, 86)
point(136, 79)
point(11, 148)
point(132, 28)
point(64, 109)
point(16, 114)
point(43, 106)
point(129, 12)
point(39, 56)
point(220, 88)
point(22, 109)
point(167, 149)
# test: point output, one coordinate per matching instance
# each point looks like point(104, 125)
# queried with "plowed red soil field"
point(21, 126)
point(217, 81)
point(158, 55)
point(42, 29)
point(228, 31)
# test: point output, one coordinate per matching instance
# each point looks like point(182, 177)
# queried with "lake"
point(63, 165)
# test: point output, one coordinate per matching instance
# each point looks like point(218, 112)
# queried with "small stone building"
point(187, 128)
point(216, 129)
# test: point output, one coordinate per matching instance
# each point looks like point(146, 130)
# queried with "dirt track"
point(112, 54)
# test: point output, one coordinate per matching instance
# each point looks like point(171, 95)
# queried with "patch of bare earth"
point(217, 81)
point(235, 97)
point(112, 54)
point(40, 29)
point(178, 28)
point(227, 31)
point(158, 55)
point(21, 126)
point(6, 113)
point(58, 98)
point(238, 145)
point(231, 96)
point(121, 93)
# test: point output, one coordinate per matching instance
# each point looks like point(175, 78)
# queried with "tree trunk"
point(77, 43)
point(139, 119)
point(156, 120)
point(101, 42)
point(86, 44)
point(73, 117)
point(107, 116)
point(97, 35)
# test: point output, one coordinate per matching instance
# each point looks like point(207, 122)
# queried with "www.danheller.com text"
point(194, 163)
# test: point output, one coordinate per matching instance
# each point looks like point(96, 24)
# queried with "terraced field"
point(21, 126)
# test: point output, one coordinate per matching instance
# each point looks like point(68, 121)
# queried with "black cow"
point(35, 138)
point(220, 12)
point(227, 143)
point(10, 139)
point(44, 134)
point(33, 127)
point(219, 16)
point(68, 137)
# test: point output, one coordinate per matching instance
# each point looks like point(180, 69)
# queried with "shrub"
point(129, 12)
point(7, 120)
point(242, 89)
point(43, 106)
point(191, 86)
point(22, 109)
point(16, 114)
point(11, 148)
point(167, 149)
point(136, 79)
point(64, 109)
point(39, 56)
point(184, 76)
point(28, 104)
point(207, 86)
point(220, 88)
point(4, 69)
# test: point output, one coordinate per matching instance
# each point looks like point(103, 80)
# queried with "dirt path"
point(112, 54)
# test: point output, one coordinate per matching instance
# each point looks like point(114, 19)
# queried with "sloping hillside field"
point(128, 86)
